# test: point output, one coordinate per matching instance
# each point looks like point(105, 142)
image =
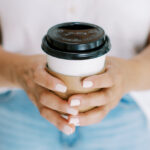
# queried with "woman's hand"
point(33, 78)
point(117, 80)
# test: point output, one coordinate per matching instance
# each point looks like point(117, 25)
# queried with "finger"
point(44, 79)
point(32, 98)
point(89, 117)
point(54, 102)
point(56, 119)
point(104, 80)
point(94, 99)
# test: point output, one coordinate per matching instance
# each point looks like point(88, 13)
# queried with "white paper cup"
point(76, 67)
point(76, 48)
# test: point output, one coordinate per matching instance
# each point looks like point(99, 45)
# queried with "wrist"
point(11, 65)
point(7, 71)
point(17, 69)
point(23, 68)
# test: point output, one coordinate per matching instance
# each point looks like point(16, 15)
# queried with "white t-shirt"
point(127, 22)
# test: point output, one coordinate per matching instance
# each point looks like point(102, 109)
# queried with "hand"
point(113, 84)
point(37, 83)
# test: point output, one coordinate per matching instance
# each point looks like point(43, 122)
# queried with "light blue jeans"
point(22, 128)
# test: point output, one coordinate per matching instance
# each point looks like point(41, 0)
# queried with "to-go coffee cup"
point(75, 50)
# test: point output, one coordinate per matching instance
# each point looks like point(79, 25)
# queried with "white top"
point(127, 22)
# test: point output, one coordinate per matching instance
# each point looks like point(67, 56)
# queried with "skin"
point(28, 73)
point(120, 77)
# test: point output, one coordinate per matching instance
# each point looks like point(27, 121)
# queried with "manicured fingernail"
point(75, 102)
point(67, 130)
point(61, 88)
point(65, 116)
point(72, 111)
point(87, 84)
point(74, 121)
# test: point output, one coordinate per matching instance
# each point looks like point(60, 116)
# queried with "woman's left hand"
point(116, 81)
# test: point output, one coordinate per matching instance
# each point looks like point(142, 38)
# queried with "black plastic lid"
point(76, 40)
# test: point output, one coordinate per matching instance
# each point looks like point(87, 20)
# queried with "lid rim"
point(100, 51)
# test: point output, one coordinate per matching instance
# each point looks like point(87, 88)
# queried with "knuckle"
point(42, 96)
point(47, 83)
point(118, 71)
point(100, 100)
point(59, 124)
point(43, 112)
point(60, 107)
point(103, 114)
point(30, 83)
point(118, 75)
point(106, 110)
point(35, 75)
point(109, 94)
point(31, 96)
point(114, 105)
point(110, 78)
point(99, 118)
point(106, 97)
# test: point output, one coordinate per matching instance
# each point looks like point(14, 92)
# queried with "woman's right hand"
point(38, 84)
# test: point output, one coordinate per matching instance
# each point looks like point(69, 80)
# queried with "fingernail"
point(74, 121)
point(75, 102)
point(61, 88)
point(67, 130)
point(87, 84)
point(65, 116)
point(72, 111)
